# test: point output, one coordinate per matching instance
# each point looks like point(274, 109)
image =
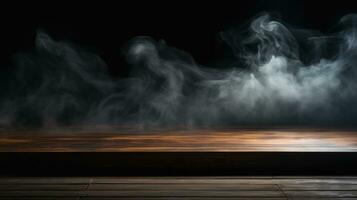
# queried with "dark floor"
point(179, 188)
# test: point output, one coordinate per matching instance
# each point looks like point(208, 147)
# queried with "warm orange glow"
point(116, 140)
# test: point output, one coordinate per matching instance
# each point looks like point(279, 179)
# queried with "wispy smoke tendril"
point(279, 84)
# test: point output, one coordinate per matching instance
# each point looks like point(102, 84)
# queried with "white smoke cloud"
point(63, 84)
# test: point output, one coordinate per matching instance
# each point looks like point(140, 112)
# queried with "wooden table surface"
point(177, 188)
point(202, 140)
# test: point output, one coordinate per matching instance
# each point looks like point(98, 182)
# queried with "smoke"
point(286, 76)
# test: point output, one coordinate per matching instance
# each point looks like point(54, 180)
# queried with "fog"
point(285, 76)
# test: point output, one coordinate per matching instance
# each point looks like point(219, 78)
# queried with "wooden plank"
point(175, 180)
point(175, 193)
point(179, 180)
point(177, 188)
point(321, 194)
point(42, 187)
point(318, 187)
point(115, 139)
point(44, 180)
point(26, 194)
point(314, 181)
point(161, 187)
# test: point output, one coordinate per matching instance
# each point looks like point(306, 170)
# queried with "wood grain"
point(199, 140)
point(179, 188)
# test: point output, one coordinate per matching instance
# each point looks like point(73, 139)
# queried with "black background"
point(193, 26)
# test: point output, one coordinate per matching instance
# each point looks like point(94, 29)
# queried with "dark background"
point(193, 26)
